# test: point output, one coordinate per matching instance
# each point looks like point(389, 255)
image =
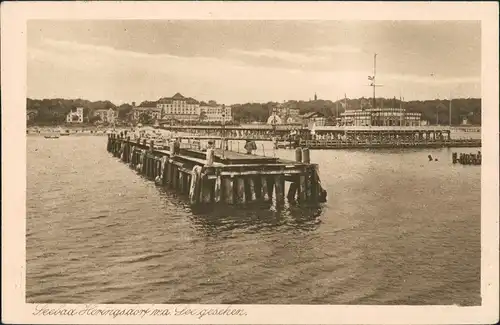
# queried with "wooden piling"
point(315, 186)
point(217, 189)
point(181, 182)
point(251, 194)
point(279, 186)
point(169, 172)
point(195, 185)
point(264, 189)
point(306, 159)
point(164, 160)
point(298, 154)
point(270, 186)
point(240, 190)
point(292, 192)
point(143, 164)
point(302, 188)
point(206, 190)
point(309, 183)
point(175, 177)
point(210, 157)
point(228, 183)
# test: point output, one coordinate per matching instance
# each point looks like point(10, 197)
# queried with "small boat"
point(63, 132)
point(51, 137)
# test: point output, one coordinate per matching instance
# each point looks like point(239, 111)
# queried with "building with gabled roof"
point(212, 112)
point(179, 107)
point(106, 115)
point(75, 115)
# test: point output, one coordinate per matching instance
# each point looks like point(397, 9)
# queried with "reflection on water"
point(397, 229)
point(257, 219)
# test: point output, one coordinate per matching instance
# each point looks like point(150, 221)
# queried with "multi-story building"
point(380, 117)
point(215, 113)
point(313, 119)
point(154, 113)
point(106, 115)
point(75, 115)
point(31, 114)
point(286, 113)
point(179, 108)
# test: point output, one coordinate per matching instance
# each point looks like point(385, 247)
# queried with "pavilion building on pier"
point(380, 117)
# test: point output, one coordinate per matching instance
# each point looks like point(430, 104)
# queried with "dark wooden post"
point(228, 184)
point(240, 190)
point(169, 172)
point(181, 182)
point(279, 186)
point(217, 189)
point(127, 150)
point(252, 195)
point(302, 188)
point(292, 191)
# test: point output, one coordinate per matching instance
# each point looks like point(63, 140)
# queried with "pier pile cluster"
point(222, 177)
point(467, 158)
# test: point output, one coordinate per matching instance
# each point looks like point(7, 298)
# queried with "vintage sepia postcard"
point(250, 163)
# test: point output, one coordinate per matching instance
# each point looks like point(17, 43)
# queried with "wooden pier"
point(467, 158)
point(385, 137)
point(216, 177)
point(339, 137)
point(374, 144)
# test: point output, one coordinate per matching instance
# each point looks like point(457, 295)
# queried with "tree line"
point(54, 111)
point(431, 110)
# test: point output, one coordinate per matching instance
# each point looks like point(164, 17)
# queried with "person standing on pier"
point(210, 145)
point(250, 146)
point(177, 146)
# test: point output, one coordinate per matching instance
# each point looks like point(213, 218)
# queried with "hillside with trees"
point(53, 111)
point(430, 109)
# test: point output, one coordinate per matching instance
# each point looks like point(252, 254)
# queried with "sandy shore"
point(37, 130)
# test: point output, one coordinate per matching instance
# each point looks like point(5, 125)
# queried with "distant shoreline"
point(72, 130)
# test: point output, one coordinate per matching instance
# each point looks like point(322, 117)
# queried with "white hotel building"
point(185, 109)
point(179, 108)
point(215, 113)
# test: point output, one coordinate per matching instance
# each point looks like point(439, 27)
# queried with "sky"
point(252, 61)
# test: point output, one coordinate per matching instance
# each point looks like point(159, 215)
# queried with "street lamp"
point(433, 75)
point(274, 121)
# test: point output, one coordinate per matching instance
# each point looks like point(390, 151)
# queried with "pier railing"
point(336, 144)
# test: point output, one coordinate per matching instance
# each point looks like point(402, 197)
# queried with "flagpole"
point(336, 111)
point(449, 119)
point(400, 109)
point(374, 82)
